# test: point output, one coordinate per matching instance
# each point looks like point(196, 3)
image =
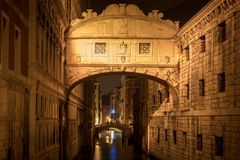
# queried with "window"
point(222, 31)
point(144, 48)
point(221, 82)
point(201, 87)
point(166, 136)
point(187, 91)
point(202, 44)
point(158, 135)
point(185, 139)
point(4, 41)
point(17, 49)
point(100, 48)
point(218, 146)
point(199, 142)
point(174, 137)
point(187, 53)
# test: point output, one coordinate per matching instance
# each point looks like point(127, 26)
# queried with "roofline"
point(199, 16)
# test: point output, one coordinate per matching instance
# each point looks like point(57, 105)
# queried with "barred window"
point(185, 139)
point(222, 32)
point(144, 48)
point(202, 43)
point(174, 137)
point(199, 142)
point(166, 135)
point(100, 48)
point(221, 82)
point(218, 146)
point(186, 50)
point(187, 91)
point(201, 87)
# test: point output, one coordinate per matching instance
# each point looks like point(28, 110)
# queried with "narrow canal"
point(111, 146)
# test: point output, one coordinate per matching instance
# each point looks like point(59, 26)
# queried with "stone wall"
point(206, 123)
point(14, 88)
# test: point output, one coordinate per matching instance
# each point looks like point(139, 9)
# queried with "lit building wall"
point(201, 127)
point(14, 84)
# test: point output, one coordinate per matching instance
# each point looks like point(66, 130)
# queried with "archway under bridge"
point(99, 73)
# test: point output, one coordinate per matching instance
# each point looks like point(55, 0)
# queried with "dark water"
point(111, 146)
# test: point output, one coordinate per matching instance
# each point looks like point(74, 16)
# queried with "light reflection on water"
point(110, 146)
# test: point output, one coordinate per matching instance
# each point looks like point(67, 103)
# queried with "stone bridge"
point(123, 127)
point(122, 40)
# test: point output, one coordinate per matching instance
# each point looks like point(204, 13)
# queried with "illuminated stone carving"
point(123, 48)
point(123, 59)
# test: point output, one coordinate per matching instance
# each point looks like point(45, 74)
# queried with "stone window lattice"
point(144, 48)
point(100, 48)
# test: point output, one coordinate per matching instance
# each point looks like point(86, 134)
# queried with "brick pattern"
point(213, 114)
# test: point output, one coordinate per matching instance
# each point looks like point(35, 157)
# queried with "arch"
point(170, 81)
point(123, 127)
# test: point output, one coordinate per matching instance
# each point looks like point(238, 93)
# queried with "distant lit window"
point(100, 48)
point(222, 32)
point(218, 146)
point(202, 44)
point(144, 48)
point(199, 142)
point(221, 82)
point(201, 87)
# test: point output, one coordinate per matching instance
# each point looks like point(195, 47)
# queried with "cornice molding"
point(205, 17)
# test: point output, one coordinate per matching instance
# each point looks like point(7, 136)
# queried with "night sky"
point(179, 10)
point(108, 83)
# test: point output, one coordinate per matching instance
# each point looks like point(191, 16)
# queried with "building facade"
point(14, 75)
point(205, 123)
point(188, 109)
